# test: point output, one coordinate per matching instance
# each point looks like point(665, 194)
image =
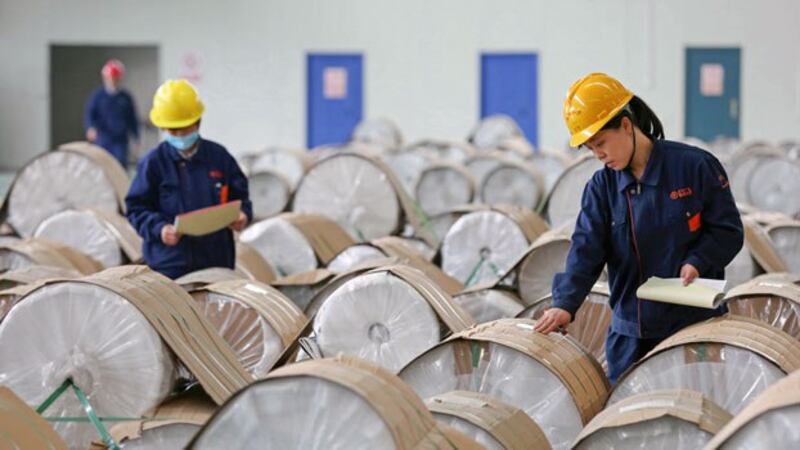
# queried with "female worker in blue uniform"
point(184, 173)
point(658, 208)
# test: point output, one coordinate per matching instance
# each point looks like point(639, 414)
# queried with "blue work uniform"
point(113, 115)
point(680, 212)
point(166, 185)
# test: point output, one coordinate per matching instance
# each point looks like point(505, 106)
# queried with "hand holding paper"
point(208, 220)
point(702, 293)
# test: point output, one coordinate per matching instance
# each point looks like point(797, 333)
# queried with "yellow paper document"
point(701, 293)
point(208, 220)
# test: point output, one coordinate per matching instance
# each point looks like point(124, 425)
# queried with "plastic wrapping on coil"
point(513, 184)
point(770, 181)
point(775, 430)
point(407, 166)
point(452, 151)
point(276, 415)
point(564, 201)
point(85, 232)
point(769, 300)
point(92, 336)
point(421, 247)
point(551, 165)
point(442, 187)
point(353, 191)
point(8, 240)
point(489, 304)
point(381, 132)
point(353, 256)
point(324, 404)
point(493, 130)
point(482, 246)
point(786, 239)
point(769, 421)
point(11, 260)
point(285, 161)
point(270, 193)
point(662, 420)
point(284, 246)
point(591, 323)
point(377, 317)
point(742, 268)
point(730, 375)
point(480, 166)
point(546, 257)
point(502, 370)
point(64, 179)
point(26, 278)
point(697, 358)
point(249, 334)
point(441, 223)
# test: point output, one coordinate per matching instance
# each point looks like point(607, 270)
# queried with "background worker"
point(658, 208)
point(184, 173)
point(110, 116)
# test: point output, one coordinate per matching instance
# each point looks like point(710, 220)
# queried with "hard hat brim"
point(163, 123)
point(580, 138)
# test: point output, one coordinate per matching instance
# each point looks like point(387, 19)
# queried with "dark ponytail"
point(642, 116)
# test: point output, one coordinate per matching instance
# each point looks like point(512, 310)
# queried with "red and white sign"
point(334, 83)
point(712, 80)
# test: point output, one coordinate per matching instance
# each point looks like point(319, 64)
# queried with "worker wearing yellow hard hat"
point(184, 173)
point(658, 208)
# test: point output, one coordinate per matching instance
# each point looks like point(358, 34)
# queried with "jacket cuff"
point(698, 263)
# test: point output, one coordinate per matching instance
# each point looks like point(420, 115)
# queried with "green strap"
point(472, 275)
point(280, 270)
point(54, 396)
point(102, 419)
point(91, 416)
point(701, 352)
point(98, 425)
point(495, 269)
point(426, 221)
point(360, 235)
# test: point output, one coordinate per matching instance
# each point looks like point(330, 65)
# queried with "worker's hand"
point(552, 320)
point(688, 274)
point(91, 135)
point(240, 223)
point(170, 235)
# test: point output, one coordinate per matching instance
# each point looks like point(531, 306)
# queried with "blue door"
point(509, 85)
point(334, 97)
point(712, 93)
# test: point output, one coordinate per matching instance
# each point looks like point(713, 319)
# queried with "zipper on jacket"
point(636, 252)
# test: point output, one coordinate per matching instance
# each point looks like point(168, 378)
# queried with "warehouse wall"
point(421, 58)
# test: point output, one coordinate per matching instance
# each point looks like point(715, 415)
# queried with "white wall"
point(421, 58)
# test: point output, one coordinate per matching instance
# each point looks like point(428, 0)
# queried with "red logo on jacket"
point(215, 174)
point(680, 193)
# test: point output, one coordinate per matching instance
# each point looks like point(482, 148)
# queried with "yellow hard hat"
point(176, 105)
point(591, 102)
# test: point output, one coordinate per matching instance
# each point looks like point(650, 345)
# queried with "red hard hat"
point(113, 68)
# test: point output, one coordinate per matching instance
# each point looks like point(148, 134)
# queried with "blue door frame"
point(713, 102)
point(509, 85)
point(334, 97)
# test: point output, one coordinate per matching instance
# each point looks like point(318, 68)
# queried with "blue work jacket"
point(112, 115)
point(681, 211)
point(166, 185)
